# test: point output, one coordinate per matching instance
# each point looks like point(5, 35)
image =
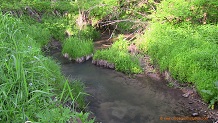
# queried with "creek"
point(117, 98)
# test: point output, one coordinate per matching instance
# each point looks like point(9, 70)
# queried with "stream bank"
point(117, 98)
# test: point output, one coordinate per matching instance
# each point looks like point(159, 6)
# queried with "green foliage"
point(54, 115)
point(78, 47)
point(118, 54)
point(101, 8)
point(62, 115)
point(44, 6)
point(56, 26)
point(196, 11)
point(89, 32)
point(39, 33)
point(83, 117)
point(188, 52)
point(75, 91)
point(29, 81)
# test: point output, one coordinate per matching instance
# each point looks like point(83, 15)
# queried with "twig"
point(131, 34)
point(112, 33)
point(106, 23)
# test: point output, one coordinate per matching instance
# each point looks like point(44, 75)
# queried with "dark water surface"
point(117, 98)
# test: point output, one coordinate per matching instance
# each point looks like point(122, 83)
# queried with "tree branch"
point(106, 23)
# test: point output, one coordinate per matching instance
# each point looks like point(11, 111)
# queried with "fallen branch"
point(131, 35)
point(106, 23)
point(112, 33)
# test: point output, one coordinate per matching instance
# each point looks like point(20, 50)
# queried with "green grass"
point(77, 47)
point(88, 32)
point(119, 56)
point(40, 6)
point(188, 52)
point(29, 81)
point(176, 11)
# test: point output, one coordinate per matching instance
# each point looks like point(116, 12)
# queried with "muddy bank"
point(79, 60)
point(103, 63)
point(194, 101)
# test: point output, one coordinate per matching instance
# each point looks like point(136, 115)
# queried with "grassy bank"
point(119, 56)
point(32, 86)
point(183, 40)
point(188, 53)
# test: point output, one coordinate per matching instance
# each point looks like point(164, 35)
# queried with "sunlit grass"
point(119, 56)
point(188, 52)
point(30, 83)
point(77, 47)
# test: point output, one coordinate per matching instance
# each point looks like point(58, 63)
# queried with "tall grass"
point(29, 81)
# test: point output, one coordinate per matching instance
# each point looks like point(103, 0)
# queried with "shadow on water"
point(117, 98)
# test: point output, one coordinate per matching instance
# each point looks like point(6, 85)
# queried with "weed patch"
point(188, 52)
point(118, 55)
point(77, 47)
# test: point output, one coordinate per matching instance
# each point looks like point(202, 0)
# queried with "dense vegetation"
point(119, 56)
point(182, 38)
point(32, 84)
point(77, 47)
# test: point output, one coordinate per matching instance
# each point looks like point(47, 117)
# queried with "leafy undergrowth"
point(31, 85)
point(189, 52)
point(183, 39)
point(119, 56)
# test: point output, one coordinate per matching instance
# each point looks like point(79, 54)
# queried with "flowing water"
point(118, 98)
